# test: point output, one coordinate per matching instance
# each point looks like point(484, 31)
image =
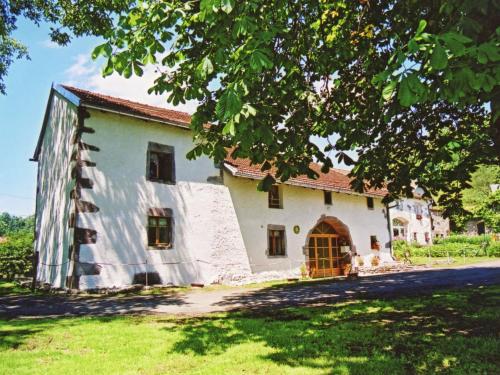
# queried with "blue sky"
point(22, 109)
point(21, 112)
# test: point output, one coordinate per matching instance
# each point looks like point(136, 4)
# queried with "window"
point(418, 211)
point(375, 245)
point(276, 240)
point(161, 164)
point(274, 197)
point(398, 229)
point(415, 236)
point(328, 197)
point(427, 237)
point(160, 228)
point(369, 203)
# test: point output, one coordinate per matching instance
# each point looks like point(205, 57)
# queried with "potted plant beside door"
point(345, 263)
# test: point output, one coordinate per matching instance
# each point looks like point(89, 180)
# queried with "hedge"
point(16, 255)
point(463, 239)
point(470, 247)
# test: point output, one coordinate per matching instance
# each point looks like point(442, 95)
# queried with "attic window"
point(369, 203)
point(328, 197)
point(161, 164)
point(274, 197)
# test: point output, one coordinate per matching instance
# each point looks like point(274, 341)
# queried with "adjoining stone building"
point(440, 224)
point(118, 203)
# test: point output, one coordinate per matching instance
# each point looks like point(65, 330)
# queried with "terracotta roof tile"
point(336, 179)
point(109, 102)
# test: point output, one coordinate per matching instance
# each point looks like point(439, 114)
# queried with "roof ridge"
point(115, 98)
point(335, 178)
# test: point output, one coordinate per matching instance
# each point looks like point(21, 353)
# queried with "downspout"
point(388, 209)
point(431, 220)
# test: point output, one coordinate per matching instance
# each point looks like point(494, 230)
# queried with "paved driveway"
point(308, 294)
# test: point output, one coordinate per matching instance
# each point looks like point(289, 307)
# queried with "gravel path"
point(202, 302)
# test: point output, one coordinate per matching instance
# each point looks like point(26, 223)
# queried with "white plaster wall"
point(302, 207)
point(406, 211)
point(208, 246)
point(53, 196)
point(441, 225)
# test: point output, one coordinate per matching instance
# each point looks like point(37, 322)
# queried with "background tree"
point(67, 18)
point(16, 246)
point(480, 186)
point(14, 224)
point(489, 211)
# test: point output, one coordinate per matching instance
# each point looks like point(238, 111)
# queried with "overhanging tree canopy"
point(412, 86)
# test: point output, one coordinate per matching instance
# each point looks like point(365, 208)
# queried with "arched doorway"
point(325, 258)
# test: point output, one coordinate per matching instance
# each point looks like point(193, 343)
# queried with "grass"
point(12, 287)
point(455, 331)
point(454, 261)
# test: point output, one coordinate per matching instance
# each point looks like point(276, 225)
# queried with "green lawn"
point(454, 261)
point(12, 287)
point(447, 332)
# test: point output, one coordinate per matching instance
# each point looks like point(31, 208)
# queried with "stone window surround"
point(164, 149)
point(161, 212)
point(276, 227)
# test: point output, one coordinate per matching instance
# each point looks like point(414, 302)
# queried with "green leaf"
point(265, 166)
point(228, 105)
point(138, 70)
point(405, 95)
point(250, 110)
point(421, 26)
point(490, 50)
point(259, 60)
point(388, 90)
point(413, 46)
point(266, 183)
point(229, 128)
point(204, 68)
point(102, 50)
point(482, 57)
point(227, 6)
point(127, 71)
point(456, 46)
point(439, 58)
point(108, 69)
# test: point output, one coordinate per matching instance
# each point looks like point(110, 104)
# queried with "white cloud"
point(86, 74)
point(47, 43)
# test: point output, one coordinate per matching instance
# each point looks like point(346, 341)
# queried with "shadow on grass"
point(448, 331)
point(394, 285)
point(33, 306)
point(453, 330)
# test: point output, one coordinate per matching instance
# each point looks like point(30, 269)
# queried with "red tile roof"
point(335, 179)
point(133, 108)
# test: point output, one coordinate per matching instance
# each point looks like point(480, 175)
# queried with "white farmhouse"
point(411, 220)
point(118, 203)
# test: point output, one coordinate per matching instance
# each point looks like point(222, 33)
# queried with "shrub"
point(400, 248)
point(375, 261)
point(454, 246)
point(493, 249)
point(16, 255)
point(464, 239)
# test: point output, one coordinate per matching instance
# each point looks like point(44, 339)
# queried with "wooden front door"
point(324, 252)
